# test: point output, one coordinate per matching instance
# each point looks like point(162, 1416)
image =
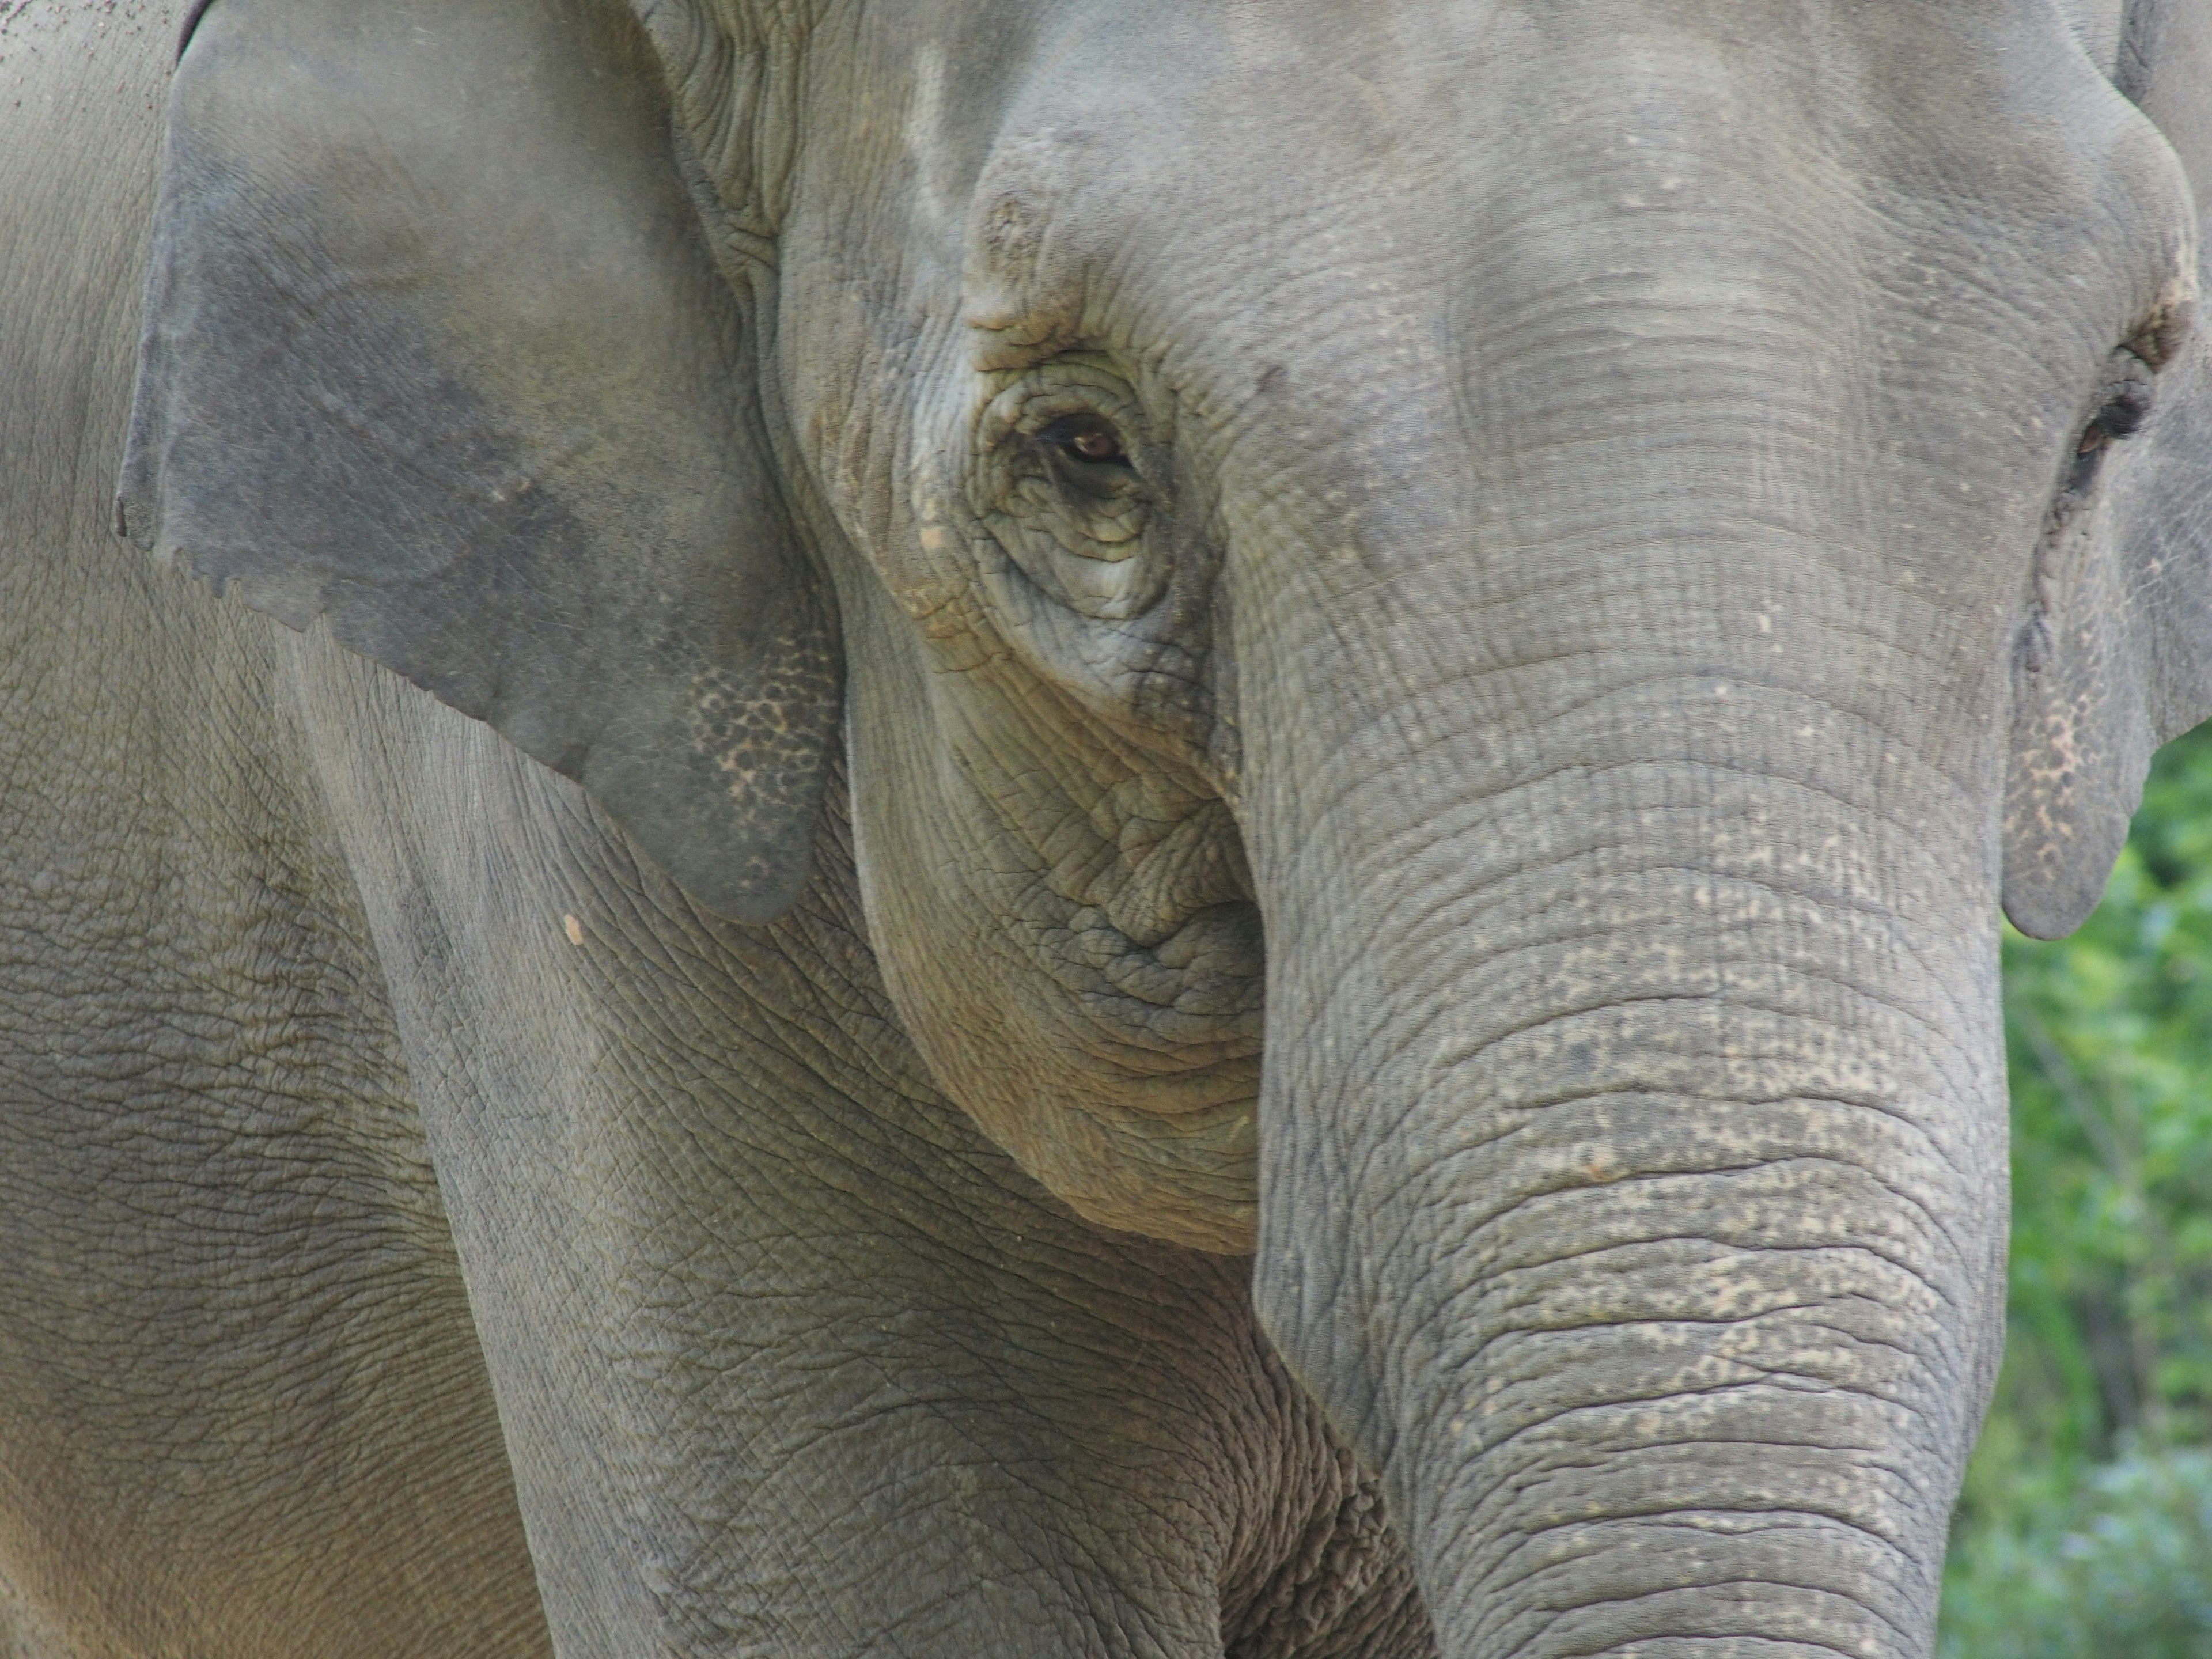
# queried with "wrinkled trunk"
point(1632, 1174)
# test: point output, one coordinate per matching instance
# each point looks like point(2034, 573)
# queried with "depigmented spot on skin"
point(1013, 232)
point(1009, 262)
point(573, 928)
point(924, 127)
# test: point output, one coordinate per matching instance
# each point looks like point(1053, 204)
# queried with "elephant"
point(1024, 826)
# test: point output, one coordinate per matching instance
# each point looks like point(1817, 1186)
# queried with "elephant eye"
point(2127, 400)
point(1070, 475)
point(2122, 416)
point(1087, 439)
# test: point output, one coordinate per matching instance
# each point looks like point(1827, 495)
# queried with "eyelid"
point(1069, 430)
point(2125, 401)
point(1065, 388)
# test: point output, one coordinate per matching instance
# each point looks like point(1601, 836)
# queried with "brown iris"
point(1087, 438)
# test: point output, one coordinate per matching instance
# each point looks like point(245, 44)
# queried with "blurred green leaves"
point(2108, 1561)
point(2086, 1527)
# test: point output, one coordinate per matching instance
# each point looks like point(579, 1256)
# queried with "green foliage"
point(2086, 1527)
point(2115, 1564)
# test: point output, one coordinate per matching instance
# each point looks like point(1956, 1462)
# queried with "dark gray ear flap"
point(436, 348)
point(2122, 660)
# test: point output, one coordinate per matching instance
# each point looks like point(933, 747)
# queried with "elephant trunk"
point(1633, 1139)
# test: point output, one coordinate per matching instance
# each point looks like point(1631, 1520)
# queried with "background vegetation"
point(2085, 1531)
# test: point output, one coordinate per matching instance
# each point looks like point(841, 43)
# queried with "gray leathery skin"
point(832, 1367)
point(241, 1408)
point(829, 1374)
point(1454, 619)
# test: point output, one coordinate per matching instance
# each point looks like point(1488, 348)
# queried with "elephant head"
point(1580, 548)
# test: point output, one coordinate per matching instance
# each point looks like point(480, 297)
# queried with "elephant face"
point(1580, 547)
point(1628, 376)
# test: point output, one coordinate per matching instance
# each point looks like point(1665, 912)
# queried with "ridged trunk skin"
point(1632, 1167)
point(1620, 691)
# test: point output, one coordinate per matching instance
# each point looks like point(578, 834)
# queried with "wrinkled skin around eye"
point(1074, 526)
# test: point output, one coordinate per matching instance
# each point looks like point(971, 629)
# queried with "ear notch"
point(2122, 659)
point(436, 348)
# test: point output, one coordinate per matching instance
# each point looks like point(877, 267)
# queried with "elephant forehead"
point(1410, 126)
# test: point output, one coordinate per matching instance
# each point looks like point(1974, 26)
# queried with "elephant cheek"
point(1109, 1073)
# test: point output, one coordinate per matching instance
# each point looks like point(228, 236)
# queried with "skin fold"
point(1058, 794)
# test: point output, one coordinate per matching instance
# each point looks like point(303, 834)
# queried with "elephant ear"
point(436, 348)
point(2123, 661)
